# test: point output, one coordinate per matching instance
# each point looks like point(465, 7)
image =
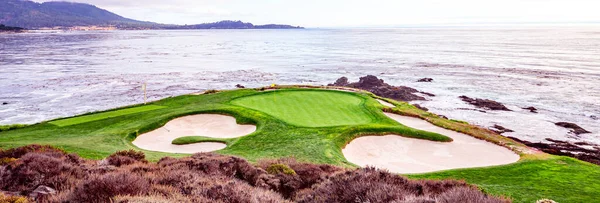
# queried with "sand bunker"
point(385, 103)
point(207, 125)
point(407, 155)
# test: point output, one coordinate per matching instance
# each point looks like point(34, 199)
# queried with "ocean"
point(46, 75)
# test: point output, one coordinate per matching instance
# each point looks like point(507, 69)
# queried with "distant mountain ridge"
point(32, 15)
point(29, 14)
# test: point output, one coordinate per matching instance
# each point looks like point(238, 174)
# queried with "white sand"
point(207, 125)
point(385, 103)
point(407, 155)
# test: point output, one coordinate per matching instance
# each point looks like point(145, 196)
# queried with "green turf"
point(562, 179)
point(310, 108)
point(105, 115)
point(197, 139)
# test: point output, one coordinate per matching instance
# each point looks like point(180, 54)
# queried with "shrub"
point(20, 151)
point(7, 160)
point(12, 199)
point(136, 155)
point(102, 188)
point(36, 169)
point(280, 168)
point(372, 185)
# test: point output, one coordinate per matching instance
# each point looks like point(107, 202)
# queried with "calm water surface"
point(555, 69)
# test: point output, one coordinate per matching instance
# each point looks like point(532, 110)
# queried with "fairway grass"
point(281, 134)
point(310, 108)
point(105, 115)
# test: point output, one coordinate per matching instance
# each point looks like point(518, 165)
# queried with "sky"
point(356, 13)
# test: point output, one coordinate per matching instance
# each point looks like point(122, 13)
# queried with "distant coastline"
point(59, 15)
point(9, 29)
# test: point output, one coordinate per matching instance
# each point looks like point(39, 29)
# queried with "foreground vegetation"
point(127, 177)
point(280, 135)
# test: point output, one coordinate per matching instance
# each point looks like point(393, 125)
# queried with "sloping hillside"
point(29, 14)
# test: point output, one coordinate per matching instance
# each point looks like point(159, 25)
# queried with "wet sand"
point(207, 125)
point(408, 155)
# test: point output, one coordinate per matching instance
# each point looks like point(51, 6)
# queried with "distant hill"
point(32, 15)
point(229, 24)
point(29, 14)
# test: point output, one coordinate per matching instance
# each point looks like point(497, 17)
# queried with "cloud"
point(323, 13)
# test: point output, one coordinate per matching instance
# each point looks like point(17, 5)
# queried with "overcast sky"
point(348, 13)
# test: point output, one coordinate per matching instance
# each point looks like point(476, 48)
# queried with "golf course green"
point(311, 125)
point(309, 108)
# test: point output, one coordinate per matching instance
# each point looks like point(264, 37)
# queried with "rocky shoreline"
point(581, 150)
point(380, 88)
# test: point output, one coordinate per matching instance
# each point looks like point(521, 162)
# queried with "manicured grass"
point(105, 115)
point(310, 108)
point(197, 139)
point(562, 179)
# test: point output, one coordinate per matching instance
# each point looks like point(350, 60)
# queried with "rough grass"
point(104, 115)
point(310, 108)
point(562, 179)
point(198, 139)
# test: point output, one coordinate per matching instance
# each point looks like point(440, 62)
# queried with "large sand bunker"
point(207, 125)
point(407, 155)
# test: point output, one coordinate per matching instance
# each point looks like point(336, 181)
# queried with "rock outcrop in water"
point(531, 109)
point(564, 148)
point(575, 129)
point(425, 80)
point(500, 129)
point(485, 103)
point(380, 88)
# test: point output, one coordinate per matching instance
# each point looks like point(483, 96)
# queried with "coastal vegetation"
point(126, 176)
point(278, 136)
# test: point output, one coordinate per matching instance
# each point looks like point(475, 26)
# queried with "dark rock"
point(4, 103)
point(531, 109)
point(594, 117)
point(442, 116)
point(484, 103)
point(482, 111)
point(564, 148)
point(428, 94)
point(239, 86)
point(342, 82)
point(380, 88)
point(41, 191)
point(421, 107)
point(575, 129)
point(500, 129)
point(425, 80)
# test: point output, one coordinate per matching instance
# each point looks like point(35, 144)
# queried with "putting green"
point(100, 116)
point(310, 108)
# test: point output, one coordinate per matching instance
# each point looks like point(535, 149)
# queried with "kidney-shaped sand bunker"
point(408, 155)
point(207, 125)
